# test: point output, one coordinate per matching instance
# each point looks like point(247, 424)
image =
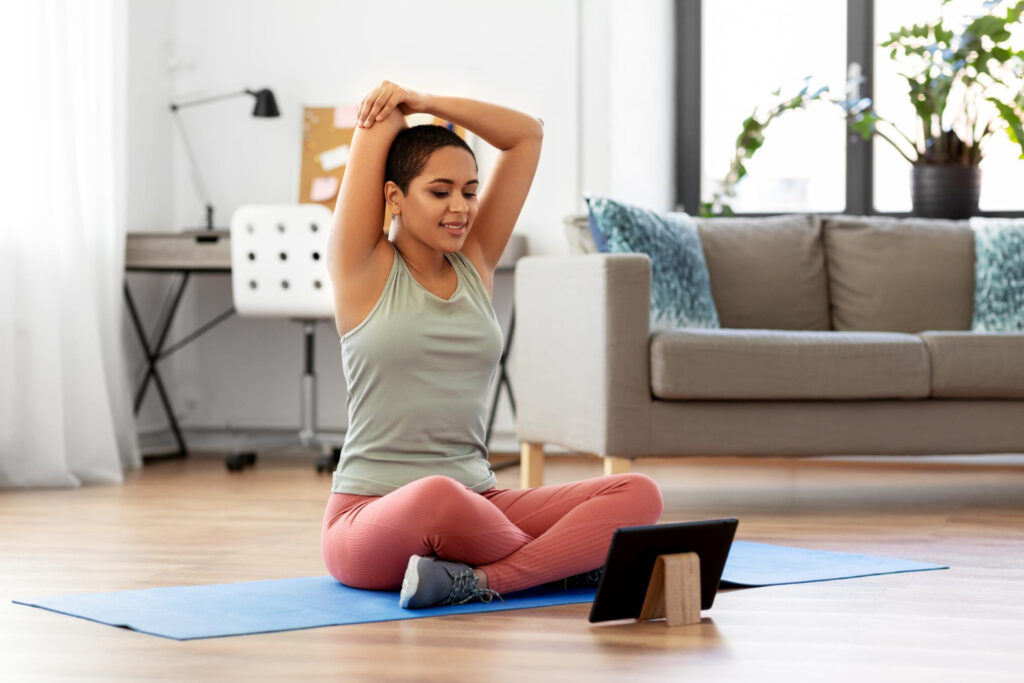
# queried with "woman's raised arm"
point(516, 134)
point(358, 223)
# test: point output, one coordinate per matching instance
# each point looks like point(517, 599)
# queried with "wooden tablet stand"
point(674, 590)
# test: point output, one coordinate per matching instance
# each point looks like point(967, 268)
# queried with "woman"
point(413, 501)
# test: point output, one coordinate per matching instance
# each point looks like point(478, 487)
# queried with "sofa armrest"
point(581, 370)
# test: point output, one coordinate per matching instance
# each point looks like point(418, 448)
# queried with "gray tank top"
point(418, 371)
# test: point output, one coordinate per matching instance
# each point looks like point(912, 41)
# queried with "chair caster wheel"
point(328, 463)
point(236, 462)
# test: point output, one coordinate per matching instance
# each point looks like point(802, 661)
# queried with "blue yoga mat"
point(761, 564)
point(229, 609)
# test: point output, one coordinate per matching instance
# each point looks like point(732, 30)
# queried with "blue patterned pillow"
point(680, 284)
point(998, 275)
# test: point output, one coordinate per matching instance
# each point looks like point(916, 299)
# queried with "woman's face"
point(441, 203)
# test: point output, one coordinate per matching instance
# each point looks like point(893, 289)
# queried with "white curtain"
point(65, 407)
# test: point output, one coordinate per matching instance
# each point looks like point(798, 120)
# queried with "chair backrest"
point(279, 261)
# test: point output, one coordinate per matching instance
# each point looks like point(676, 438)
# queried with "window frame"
point(860, 170)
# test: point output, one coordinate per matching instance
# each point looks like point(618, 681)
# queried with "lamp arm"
point(197, 179)
point(175, 106)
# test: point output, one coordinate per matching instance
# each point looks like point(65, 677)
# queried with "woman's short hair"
point(412, 148)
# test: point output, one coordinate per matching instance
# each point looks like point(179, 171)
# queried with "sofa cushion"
point(976, 364)
point(776, 364)
point(998, 274)
point(899, 275)
point(578, 235)
point(680, 288)
point(767, 273)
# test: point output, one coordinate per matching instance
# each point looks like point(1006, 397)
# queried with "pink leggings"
point(519, 537)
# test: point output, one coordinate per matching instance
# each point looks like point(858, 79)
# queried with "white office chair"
point(279, 270)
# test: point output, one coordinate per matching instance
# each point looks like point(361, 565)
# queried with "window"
point(731, 55)
point(801, 166)
point(1001, 170)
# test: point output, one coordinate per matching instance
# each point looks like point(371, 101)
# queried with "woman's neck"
point(422, 258)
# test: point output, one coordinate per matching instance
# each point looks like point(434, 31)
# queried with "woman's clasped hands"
point(383, 99)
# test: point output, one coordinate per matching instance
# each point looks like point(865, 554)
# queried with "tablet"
point(631, 556)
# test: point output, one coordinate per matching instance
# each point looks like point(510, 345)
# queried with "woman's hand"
point(383, 99)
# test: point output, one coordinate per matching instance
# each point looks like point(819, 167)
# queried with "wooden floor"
point(191, 522)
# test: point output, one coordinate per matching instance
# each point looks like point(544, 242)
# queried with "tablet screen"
point(632, 554)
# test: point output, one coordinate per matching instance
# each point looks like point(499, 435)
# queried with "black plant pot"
point(945, 190)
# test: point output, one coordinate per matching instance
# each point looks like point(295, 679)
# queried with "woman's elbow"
point(534, 133)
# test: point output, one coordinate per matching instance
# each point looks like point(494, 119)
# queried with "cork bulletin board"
point(326, 137)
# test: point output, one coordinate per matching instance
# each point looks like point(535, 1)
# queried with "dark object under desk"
point(209, 252)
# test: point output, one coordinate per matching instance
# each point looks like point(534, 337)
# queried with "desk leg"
point(503, 381)
point(163, 326)
point(504, 358)
point(152, 355)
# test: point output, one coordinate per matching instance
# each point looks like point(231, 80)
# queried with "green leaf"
point(1013, 14)
point(1014, 126)
point(864, 127)
point(988, 25)
point(753, 143)
point(1001, 54)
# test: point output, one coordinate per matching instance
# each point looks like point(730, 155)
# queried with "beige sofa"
point(840, 335)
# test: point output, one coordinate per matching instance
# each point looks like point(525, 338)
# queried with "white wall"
point(321, 53)
point(642, 103)
point(148, 164)
point(627, 82)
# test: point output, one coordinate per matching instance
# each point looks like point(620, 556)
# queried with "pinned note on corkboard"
point(326, 138)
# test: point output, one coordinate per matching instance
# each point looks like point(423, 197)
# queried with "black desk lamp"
point(266, 107)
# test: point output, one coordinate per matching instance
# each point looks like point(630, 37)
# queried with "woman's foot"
point(585, 580)
point(429, 581)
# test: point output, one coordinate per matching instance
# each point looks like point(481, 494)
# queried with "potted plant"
point(951, 75)
point(751, 138)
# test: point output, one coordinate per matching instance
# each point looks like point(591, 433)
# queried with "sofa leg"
point(531, 465)
point(616, 465)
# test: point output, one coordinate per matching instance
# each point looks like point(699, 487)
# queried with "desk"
point(181, 254)
point(187, 253)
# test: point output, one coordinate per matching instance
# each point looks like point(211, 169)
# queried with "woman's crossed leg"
point(518, 537)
